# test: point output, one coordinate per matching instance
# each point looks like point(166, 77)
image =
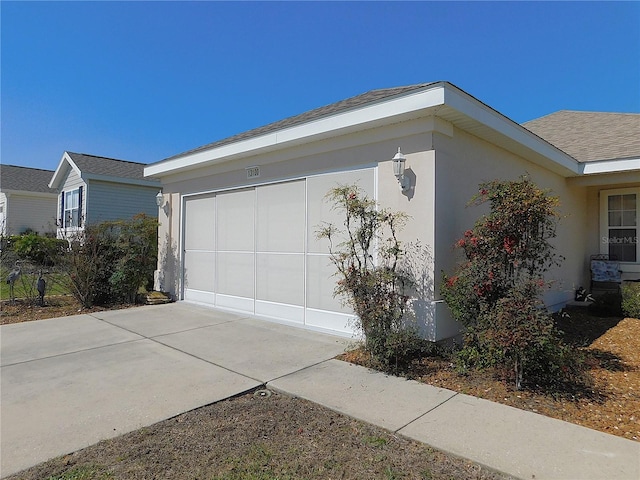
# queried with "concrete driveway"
point(70, 382)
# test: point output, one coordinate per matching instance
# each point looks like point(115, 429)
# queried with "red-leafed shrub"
point(495, 293)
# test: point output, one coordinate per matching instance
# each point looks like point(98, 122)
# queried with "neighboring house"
point(239, 215)
point(26, 201)
point(95, 189)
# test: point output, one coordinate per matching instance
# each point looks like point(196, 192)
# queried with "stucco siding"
point(463, 161)
point(114, 201)
point(166, 278)
point(445, 166)
point(339, 153)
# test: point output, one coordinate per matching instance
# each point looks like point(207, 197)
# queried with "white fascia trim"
point(610, 166)
point(501, 124)
point(349, 121)
point(58, 175)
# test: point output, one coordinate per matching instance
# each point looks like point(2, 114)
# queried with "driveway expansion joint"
point(81, 350)
point(455, 394)
point(162, 334)
point(298, 371)
point(155, 340)
point(207, 361)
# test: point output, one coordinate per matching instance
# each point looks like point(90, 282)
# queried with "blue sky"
point(143, 81)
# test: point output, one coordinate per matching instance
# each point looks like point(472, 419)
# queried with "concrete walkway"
point(69, 382)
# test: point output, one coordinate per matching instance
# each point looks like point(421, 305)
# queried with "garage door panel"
point(254, 250)
point(280, 217)
point(280, 278)
point(241, 304)
point(320, 209)
point(321, 282)
point(235, 274)
point(337, 322)
point(199, 270)
point(236, 220)
point(288, 313)
point(200, 296)
point(199, 223)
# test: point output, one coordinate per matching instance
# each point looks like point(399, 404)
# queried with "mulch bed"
point(612, 348)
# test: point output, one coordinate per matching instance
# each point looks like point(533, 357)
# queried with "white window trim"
point(604, 225)
point(79, 208)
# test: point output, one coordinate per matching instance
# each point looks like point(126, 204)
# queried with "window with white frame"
point(72, 206)
point(619, 223)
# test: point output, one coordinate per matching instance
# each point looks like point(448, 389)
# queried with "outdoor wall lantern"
point(398, 171)
point(159, 199)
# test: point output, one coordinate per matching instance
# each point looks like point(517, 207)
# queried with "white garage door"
point(254, 250)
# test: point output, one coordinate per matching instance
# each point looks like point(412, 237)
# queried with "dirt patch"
point(612, 348)
point(255, 436)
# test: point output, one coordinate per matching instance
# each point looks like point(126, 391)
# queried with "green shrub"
point(631, 299)
point(108, 262)
point(137, 244)
point(38, 250)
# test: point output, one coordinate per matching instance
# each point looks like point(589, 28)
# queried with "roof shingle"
point(13, 177)
point(315, 114)
point(590, 136)
point(108, 166)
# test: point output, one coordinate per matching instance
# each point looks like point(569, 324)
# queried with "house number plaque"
point(253, 172)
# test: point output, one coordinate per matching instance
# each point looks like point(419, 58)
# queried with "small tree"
point(371, 279)
point(496, 292)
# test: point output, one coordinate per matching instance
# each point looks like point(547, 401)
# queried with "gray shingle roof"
point(589, 136)
point(107, 166)
point(372, 96)
point(26, 179)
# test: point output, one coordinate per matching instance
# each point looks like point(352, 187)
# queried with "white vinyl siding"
point(115, 201)
point(103, 201)
point(3, 212)
point(254, 250)
point(29, 212)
